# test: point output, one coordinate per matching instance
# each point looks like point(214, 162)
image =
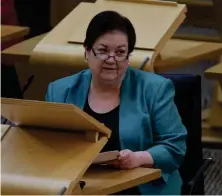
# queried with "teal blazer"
point(149, 121)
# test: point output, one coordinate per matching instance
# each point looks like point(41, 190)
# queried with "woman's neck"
point(102, 88)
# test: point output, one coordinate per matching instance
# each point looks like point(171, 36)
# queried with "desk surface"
point(176, 53)
point(108, 181)
point(9, 32)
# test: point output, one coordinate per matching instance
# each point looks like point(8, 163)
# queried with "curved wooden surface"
point(108, 181)
point(42, 161)
point(149, 35)
point(45, 114)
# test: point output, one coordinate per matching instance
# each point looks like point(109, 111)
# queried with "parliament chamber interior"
point(42, 149)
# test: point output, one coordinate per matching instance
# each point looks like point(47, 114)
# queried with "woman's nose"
point(111, 59)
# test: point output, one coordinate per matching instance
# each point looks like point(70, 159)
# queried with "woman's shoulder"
point(148, 79)
point(59, 89)
point(71, 80)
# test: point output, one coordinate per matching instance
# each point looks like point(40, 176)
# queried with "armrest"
point(190, 185)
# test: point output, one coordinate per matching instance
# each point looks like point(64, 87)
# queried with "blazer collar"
point(78, 93)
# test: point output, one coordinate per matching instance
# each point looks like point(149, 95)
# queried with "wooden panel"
point(42, 161)
point(4, 129)
point(214, 72)
point(216, 111)
point(108, 181)
point(21, 51)
point(45, 114)
point(55, 50)
point(178, 53)
point(9, 32)
point(206, 3)
point(149, 33)
point(203, 21)
point(59, 9)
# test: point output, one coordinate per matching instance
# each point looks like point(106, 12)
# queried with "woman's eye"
point(102, 50)
point(121, 52)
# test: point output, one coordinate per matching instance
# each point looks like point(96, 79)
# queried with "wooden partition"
point(63, 45)
point(51, 149)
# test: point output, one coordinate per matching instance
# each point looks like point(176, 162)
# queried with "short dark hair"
point(108, 21)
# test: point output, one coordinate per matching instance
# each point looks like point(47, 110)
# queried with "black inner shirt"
point(111, 120)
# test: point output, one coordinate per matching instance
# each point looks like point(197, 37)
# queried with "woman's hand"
point(129, 159)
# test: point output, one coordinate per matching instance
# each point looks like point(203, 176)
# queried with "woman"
point(137, 106)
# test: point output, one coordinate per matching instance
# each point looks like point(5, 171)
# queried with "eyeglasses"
point(105, 56)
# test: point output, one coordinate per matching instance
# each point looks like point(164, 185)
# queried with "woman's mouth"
point(109, 68)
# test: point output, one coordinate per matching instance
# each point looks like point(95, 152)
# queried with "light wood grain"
point(109, 181)
point(42, 161)
point(50, 115)
point(20, 52)
point(4, 129)
point(54, 50)
point(176, 53)
point(9, 32)
point(151, 35)
point(214, 72)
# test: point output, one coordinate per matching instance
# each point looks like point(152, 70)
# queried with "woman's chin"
point(109, 76)
point(109, 79)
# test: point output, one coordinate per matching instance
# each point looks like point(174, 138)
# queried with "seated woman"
point(137, 106)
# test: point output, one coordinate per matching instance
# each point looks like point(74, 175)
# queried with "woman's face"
point(108, 58)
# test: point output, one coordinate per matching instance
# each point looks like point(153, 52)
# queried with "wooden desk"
point(109, 181)
point(9, 32)
point(55, 159)
point(176, 53)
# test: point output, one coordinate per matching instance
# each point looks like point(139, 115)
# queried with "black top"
point(111, 120)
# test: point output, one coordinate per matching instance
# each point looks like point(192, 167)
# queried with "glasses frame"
point(108, 56)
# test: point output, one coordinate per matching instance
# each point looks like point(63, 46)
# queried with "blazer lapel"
point(125, 105)
point(78, 93)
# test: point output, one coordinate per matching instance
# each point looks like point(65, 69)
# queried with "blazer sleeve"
point(49, 93)
point(169, 134)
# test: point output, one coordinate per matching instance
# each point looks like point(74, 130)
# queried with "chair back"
point(188, 102)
